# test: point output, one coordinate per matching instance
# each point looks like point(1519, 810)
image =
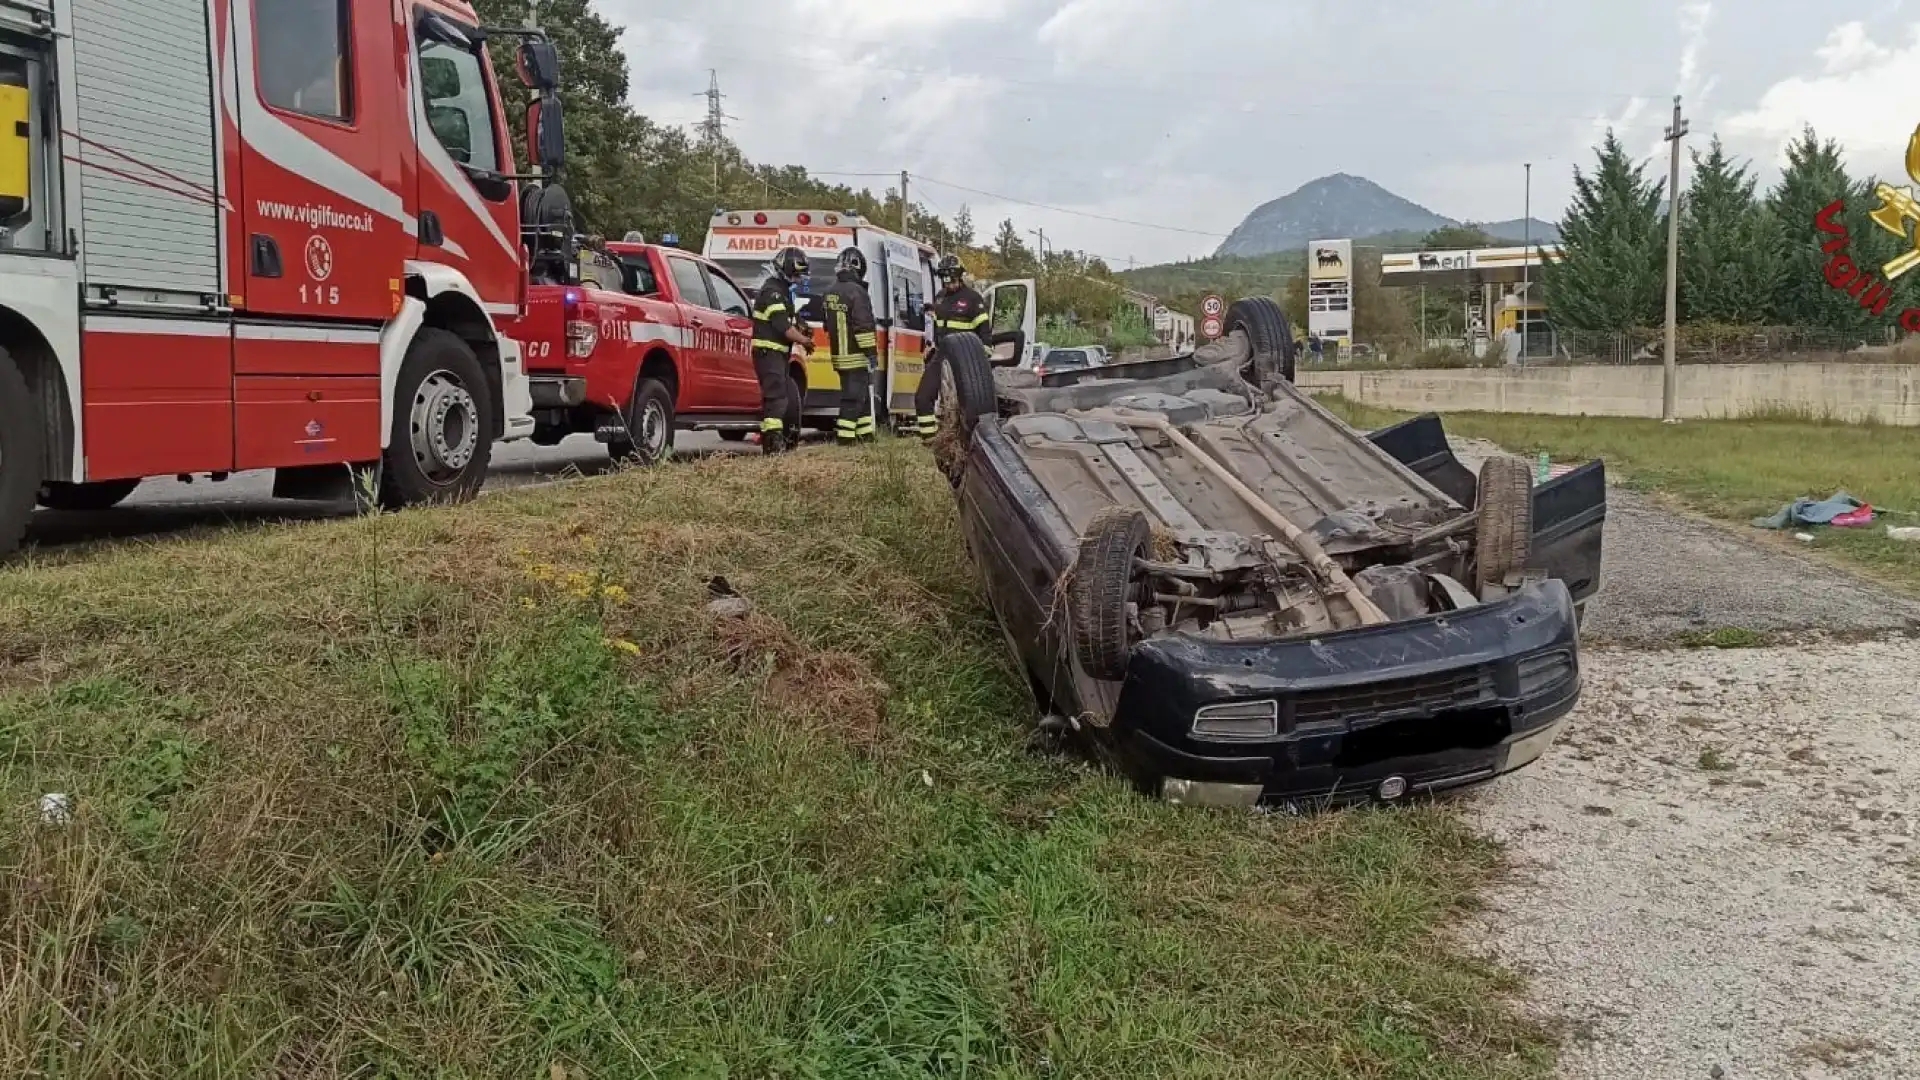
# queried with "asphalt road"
point(163, 506)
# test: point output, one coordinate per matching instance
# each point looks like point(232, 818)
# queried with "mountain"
point(1544, 232)
point(1342, 205)
point(1330, 207)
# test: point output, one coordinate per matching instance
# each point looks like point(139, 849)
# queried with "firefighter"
point(854, 342)
point(776, 330)
point(957, 310)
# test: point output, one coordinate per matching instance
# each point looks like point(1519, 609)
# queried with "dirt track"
point(1717, 872)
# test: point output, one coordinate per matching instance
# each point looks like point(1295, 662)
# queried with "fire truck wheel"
point(650, 424)
point(439, 450)
point(104, 495)
point(19, 455)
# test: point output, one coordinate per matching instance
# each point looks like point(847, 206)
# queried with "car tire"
point(1102, 588)
point(966, 394)
point(439, 448)
point(1269, 338)
point(1503, 535)
point(104, 495)
point(650, 426)
point(21, 455)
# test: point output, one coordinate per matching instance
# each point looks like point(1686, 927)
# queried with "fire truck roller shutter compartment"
point(149, 210)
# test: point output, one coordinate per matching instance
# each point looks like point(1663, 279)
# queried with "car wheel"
point(20, 455)
point(439, 448)
point(1102, 590)
point(650, 426)
point(1269, 339)
point(966, 395)
point(104, 495)
point(1503, 536)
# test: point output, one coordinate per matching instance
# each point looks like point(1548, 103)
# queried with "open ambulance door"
point(1016, 320)
point(907, 277)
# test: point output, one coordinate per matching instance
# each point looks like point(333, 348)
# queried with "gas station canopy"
point(1480, 266)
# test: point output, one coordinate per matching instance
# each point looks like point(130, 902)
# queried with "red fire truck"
point(258, 234)
point(639, 340)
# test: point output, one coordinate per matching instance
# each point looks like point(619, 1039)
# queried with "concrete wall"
point(1889, 393)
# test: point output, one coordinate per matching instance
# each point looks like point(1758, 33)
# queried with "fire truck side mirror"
point(546, 137)
point(539, 65)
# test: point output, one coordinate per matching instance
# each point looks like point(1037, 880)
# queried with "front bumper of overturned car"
point(1375, 714)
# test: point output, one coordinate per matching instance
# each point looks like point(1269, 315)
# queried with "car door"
point(734, 363)
point(703, 346)
point(1014, 307)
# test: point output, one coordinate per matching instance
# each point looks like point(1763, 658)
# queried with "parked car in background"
point(1075, 359)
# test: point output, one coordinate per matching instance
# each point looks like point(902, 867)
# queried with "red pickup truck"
point(650, 341)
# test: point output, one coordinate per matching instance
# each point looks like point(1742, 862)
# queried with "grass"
point(489, 793)
point(1733, 470)
point(1725, 637)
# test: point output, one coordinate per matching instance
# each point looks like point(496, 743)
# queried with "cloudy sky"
point(1186, 114)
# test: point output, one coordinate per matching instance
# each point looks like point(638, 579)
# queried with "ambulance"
point(899, 277)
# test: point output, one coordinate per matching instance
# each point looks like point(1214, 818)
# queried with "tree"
point(1011, 252)
point(1611, 274)
point(963, 227)
point(1816, 176)
point(1729, 257)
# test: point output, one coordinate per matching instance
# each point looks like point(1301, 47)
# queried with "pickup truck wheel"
point(104, 495)
point(1268, 336)
point(438, 450)
point(1503, 537)
point(650, 426)
point(1103, 588)
point(20, 455)
point(966, 394)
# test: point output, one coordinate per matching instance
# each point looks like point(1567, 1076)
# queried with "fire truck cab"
point(258, 234)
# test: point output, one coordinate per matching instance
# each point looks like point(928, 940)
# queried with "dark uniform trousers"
point(772, 354)
point(853, 342)
point(963, 311)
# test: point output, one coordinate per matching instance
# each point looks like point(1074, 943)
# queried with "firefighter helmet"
point(851, 261)
point(949, 269)
point(791, 264)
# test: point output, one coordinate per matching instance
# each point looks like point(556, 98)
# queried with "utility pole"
point(904, 204)
point(1042, 235)
point(1669, 391)
point(1526, 265)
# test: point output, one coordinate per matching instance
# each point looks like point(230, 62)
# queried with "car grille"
point(1425, 693)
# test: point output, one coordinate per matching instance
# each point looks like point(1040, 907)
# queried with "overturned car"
point(1237, 598)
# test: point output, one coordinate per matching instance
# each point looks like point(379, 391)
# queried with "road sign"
point(1211, 327)
point(1163, 318)
point(1213, 307)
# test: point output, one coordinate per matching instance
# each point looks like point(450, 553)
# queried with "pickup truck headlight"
point(1240, 720)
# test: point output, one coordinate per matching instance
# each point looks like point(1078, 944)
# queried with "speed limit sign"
point(1211, 327)
point(1213, 307)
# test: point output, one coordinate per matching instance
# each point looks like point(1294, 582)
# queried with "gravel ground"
point(1717, 873)
point(1666, 574)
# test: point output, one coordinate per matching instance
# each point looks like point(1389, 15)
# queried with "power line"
point(1064, 210)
